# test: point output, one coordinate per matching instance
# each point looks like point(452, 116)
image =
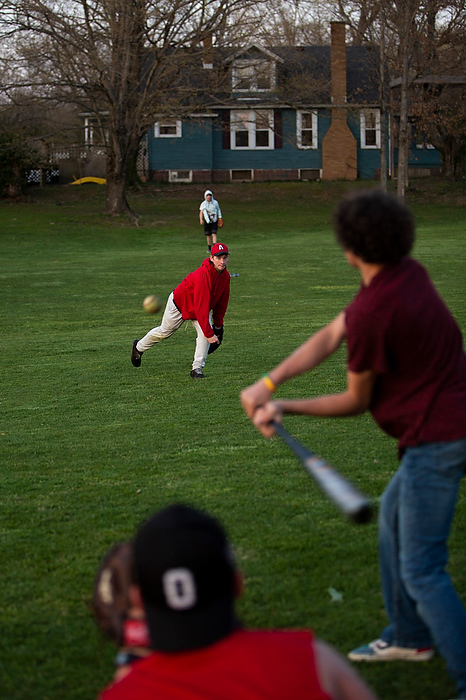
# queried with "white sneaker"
point(378, 650)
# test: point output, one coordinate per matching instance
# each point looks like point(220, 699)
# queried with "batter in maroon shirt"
point(406, 365)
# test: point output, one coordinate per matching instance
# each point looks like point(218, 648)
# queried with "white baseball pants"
point(171, 321)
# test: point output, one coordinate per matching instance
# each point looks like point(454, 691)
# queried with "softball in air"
point(152, 304)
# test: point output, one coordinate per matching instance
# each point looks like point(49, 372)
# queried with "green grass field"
point(90, 445)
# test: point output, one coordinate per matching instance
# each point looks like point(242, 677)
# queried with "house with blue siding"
point(284, 113)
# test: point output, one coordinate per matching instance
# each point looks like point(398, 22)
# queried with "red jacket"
point(202, 291)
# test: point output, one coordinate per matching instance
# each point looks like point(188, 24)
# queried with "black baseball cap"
point(186, 573)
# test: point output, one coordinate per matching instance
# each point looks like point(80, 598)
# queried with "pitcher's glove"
point(218, 330)
point(110, 601)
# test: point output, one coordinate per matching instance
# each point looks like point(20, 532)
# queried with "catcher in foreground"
point(114, 612)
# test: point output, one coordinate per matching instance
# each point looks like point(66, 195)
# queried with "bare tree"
point(361, 16)
point(124, 61)
point(438, 100)
point(417, 37)
point(383, 100)
point(295, 23)
point(427, 29)
point(438, 105)
point(405, 14)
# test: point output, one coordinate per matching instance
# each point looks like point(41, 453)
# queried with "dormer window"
point(253, 75)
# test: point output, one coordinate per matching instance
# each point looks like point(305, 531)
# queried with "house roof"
point(254, 48)
point(434, 80)
point(303, 78)
point(307, 70)
point(304, 75)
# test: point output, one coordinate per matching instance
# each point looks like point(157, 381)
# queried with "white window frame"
point(249, 117)
point(91, 126)
point(168, 122)
point(173, 175)
point(248, 175)
point(299, 129)
point(258, 67)
point(363, 115)
point(89, 123)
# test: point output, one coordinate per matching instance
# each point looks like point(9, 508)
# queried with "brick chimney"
point(339, 147)
point(208, 53)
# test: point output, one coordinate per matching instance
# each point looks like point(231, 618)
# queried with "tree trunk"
point(448, 151)
point(13, 189)
point(115, 198)
point(121, 151)
point(383, 104)
point(403, 134)
point(407, 23)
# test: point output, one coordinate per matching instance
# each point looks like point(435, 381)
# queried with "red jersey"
point(246, 665)
point(201, 292)
point(399, 327)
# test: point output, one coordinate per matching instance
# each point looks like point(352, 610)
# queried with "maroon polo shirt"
point(399, 327)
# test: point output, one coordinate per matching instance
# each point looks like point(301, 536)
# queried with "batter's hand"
point(213, 339)
point(254, 396)
point(264, 416)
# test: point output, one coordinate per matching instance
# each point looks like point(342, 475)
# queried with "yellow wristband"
point(269, 383)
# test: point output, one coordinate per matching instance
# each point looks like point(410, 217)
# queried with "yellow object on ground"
point(82, 180)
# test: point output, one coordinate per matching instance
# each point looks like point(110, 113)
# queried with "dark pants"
point(209, 229)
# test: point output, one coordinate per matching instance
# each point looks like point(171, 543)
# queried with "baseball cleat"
point(135, 354)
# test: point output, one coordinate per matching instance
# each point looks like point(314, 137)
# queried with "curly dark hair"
point(375, 226)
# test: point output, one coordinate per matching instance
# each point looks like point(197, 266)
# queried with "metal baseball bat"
point(352, 502)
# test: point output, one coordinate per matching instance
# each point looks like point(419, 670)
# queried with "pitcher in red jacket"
point(202, 297)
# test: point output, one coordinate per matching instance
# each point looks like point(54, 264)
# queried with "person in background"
point(187, 583)
point(211, 216)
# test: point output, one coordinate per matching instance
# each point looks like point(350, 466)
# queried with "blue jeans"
point(415, 517)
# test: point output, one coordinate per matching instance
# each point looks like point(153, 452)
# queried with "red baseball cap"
point(219, 249)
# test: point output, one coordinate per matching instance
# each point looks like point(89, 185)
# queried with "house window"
point(168, 128)
point(252, 129)
point(310, 174)
point(180, 175)
point(423, 146)
point(306, 126)
point(242, 175)
point(95, 133)
point(370, 128)
point(419, 138)
point(253, 75)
